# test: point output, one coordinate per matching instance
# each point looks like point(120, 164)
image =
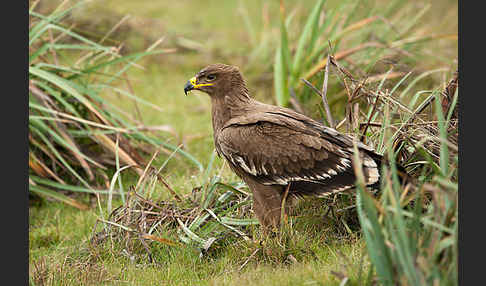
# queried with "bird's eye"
point(211, 77)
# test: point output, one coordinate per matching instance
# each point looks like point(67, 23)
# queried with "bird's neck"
point(220, 113)
point(227, 107)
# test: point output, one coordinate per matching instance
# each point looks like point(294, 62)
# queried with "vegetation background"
point(106, 80)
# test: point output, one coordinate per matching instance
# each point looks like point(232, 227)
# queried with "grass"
point(55, 259)
point(318, 249)
point(71, 126)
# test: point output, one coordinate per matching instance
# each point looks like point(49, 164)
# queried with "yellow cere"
point(193, 82)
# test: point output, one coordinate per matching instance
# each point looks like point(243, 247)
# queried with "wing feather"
point(278, 149)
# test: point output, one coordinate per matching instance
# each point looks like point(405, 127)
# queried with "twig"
point(145, 245)
point(369, 120)
point(341, 123)
point(324, 95)
point(135, 104)
point(311, 86)
point(169, 188)
point(284, 200)
point(333, 61)
point(146, 169)
point(248, 259)
point(429, 100)
point(346, 208)
point(295, 102)
point(313, 89)
point(372, 124)
point(148, 202)
point(114, 28)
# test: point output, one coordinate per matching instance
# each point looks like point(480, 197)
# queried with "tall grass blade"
point(375, 240)
point(305, 39)
point(58, 196)
point(444, 149)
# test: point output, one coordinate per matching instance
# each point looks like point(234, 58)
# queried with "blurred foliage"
point(75, 136)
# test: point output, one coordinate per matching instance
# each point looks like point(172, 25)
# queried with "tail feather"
point(402, 173)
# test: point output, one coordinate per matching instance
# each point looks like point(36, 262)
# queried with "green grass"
point(59, 235)
point(60, 250)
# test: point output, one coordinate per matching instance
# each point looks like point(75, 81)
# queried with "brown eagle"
point(272, 147)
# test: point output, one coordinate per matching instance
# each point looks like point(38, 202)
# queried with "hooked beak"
point(192, 84)
point(188, 87)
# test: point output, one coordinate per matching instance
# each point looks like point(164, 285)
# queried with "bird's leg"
point(267, 202)
point(259, 210)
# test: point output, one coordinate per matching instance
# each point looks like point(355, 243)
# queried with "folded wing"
point(278, 148)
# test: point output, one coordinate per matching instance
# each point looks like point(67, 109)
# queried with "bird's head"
point(216, 80)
